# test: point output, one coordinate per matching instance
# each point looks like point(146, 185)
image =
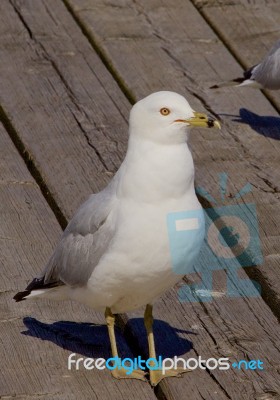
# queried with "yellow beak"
point(202, 120)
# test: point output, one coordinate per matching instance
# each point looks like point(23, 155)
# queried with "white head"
point(165, 117)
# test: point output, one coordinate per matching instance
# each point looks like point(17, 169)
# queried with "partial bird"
point(114, 255)
point(265, 75)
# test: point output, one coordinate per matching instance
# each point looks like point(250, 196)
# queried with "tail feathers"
point(239, 82)
point(246, 80)
point(38, 286)
point(234, 82)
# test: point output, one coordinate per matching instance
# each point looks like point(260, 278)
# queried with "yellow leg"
point(119, 373)
point(148, 321)
point(156, 375)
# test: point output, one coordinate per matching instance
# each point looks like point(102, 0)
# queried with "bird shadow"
point(91, 340)
point(169, 340)
point(267, 126)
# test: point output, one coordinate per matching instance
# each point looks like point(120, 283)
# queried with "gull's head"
point(166, 117)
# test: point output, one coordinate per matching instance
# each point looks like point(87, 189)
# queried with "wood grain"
point(71, 116)
point(61, 100)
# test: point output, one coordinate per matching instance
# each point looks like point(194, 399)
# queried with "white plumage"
point(115, 251)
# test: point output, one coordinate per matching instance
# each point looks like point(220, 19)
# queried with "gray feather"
point(84, 241)
point(267, 73)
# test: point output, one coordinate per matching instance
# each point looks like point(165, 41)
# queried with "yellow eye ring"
point(164, 111)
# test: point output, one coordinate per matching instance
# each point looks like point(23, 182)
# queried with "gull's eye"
point(164, 111)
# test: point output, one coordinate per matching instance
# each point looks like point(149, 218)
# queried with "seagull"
point(114, 255)
point(265, 75)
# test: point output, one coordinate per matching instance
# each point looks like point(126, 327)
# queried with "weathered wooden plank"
point(162, 46)
point(230, 330)
point(56, 149)
point(77, 108)
point(205, 149)
point(37, 367)
point(249, 29)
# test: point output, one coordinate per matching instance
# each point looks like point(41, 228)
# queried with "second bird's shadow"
point(91, 340)
point(267, 126)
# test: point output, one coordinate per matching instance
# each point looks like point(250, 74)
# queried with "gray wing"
point(83, 242)
point(274, 48)
point(267, 73)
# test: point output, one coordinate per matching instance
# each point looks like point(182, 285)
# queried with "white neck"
point(152, 171)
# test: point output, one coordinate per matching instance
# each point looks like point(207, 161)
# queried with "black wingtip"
point(239, 80)
point(214, 87)
point(20, 296)
point(37, 283)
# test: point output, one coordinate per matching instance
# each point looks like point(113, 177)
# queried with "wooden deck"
point(70, 71)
